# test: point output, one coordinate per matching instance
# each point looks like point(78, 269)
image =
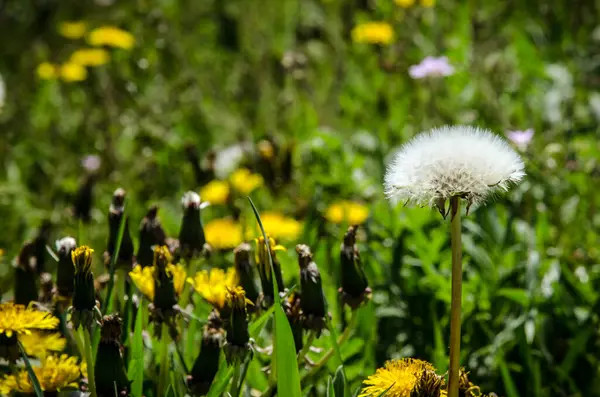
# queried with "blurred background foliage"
point(206, 75)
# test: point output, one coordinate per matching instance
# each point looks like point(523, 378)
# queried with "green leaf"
point(509, 385)
point(336, 347)
point(339, 382)
point(283, 340)
point(517, 295)
point(113, 261)
point(135, 372)
point(330, 389)
point(34, 380)
point(170, 391)
point(222, 378)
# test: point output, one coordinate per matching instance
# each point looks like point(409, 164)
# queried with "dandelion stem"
point(306, 347)
point(89, 360)
point(455, 306)
point(235, 382)
point(164, 361)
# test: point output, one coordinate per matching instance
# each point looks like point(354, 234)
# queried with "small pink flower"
point(431, 66)
point(521, 138)
point(91, 162)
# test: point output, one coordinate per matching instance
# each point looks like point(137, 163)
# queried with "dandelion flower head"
point(215, 192)
point(72, 29)
point(213, 285)
point(72, 72)
point(244, 181)
point(143, 278)
point(54, 373)
point(373, 33)
point(463, 161)
point(47, 71)
point(18, 319)
point(404, 3)
point(39, 343)
point(352, 212)
point(398, 377)
point(223, 233)
point(111, 36)
point(280, 226)
point(90, 57)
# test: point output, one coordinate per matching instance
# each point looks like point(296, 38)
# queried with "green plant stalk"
point(235, 382)
point(306, 347)
point(35, 383)
point(164, 361)
point(455, 305)
point(89, 359)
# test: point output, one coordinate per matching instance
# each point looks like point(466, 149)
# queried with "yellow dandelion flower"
point(279, 226)
point(351, 212)
point(398, 377)
point(213, 285)
point(373, 33)
point(82, 259)
point(39, 344)
point(223, 233)
point(71, 72)
point(428, 3)
point(90, 57)
point(20, 320)
point(47, 71)
point(404, 3)
point(144, 279)
point(72, 29)
point(236, 298)
point(111, 36)
point(215, 192)
point(244, 181)
point(54, 373)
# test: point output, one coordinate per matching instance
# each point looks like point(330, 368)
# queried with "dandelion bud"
point(82, 206)
point(429, 384)
point(237, 346)
point(84, 310)
point(65, 272)
point(206, 364)
point(191, 234)
point(40, 242)
point(151, 234)
point(264, 268)
point(110, 369)
point(293, 312)
point(165, 289)
point(313, 298)
point(25, 276)
point(245, 271)
point(355, 289)
point(115, 216)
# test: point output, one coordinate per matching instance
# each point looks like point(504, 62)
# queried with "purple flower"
point(520, 138)
point(91, 162)
point(431, 66)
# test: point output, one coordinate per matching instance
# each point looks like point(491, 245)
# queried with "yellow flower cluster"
point(74, 69)
point(279, 226)
point(144, 279)
point(397, 377)
point(350, 212)
point(215, 192)
point(223, 233)
point(17, 319)
point(373, 33)
point(54, 373)
point(39, 344)
point(245, 182)
point(213, 285)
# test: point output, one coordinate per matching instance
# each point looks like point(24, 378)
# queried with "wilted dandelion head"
point(190, 199)
point(463, 161)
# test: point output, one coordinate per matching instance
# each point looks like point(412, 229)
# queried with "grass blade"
point(222, 378)
point(283, 341)
point(113, 261)
point(135, 372)
point(32, 377)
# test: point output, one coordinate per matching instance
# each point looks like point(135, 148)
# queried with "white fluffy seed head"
point(453, 160)
point(66, 244)
point(190, 199)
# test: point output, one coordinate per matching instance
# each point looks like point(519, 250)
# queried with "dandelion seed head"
point(190, 199)
point(454, 160)
point(66, 244)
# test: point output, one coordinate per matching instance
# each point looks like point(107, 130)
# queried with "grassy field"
point(310, 99)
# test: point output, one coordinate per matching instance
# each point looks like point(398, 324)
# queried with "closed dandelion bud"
point(164, 289)
point(191, 234)
point(313, 298)
point(151, 234)
point(355, 288)
point(65, 272)
point(429, 384)
point(293, 312)
point(84, 199)
point(244, 270)
point(238, 338)
point(25, 276)
point(110, 369)
point(264, 268)
point(206, 364)
point(84, 310)
point(115, 216)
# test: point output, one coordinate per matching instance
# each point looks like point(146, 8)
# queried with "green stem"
point(455, 306)
point(235, 382)
point(89, 360)
point(306, 347)
point(164, 361)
